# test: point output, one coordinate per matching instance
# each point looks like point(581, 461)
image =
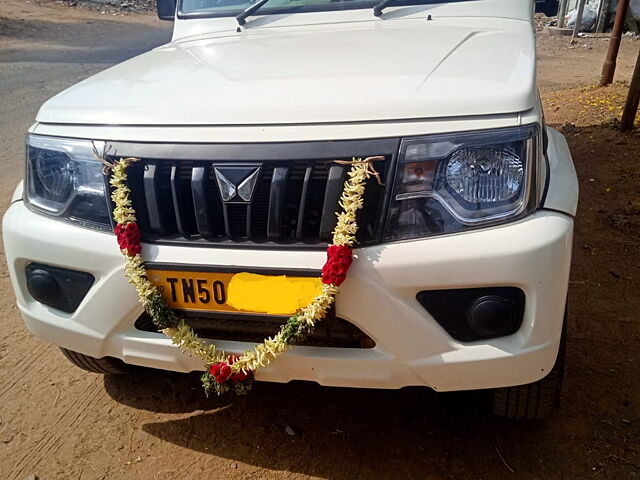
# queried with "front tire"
point(106, 365)
point(534, 401)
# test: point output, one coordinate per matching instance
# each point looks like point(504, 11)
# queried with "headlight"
point(64, 180)
point(449, 183)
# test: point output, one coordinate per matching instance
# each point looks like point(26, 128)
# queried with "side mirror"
point(166, 9)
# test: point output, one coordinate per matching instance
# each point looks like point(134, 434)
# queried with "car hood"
point(361, 71)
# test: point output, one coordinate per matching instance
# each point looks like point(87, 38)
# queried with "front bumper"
point(379, 297)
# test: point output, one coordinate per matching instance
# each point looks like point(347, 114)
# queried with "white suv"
point(463, 255)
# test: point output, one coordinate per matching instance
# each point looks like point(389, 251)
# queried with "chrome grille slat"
point(294, 203)
point(199, 190)
point(182, 202)
point(151, 182)
point(308, 172)
point(333, 189)
point(277, 199)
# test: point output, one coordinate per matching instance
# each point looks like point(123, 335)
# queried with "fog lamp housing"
point(492, 316)
point(471, 314)
point(56, 287)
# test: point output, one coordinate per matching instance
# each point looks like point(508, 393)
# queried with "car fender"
point(562, 188)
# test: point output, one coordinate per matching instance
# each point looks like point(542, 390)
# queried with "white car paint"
point(284, 133)
point(379, 297)
point(562, 194)
point(326, 76)
point(411, 68)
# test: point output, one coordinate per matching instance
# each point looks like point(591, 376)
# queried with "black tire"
point(106, 365)
point(534, 401)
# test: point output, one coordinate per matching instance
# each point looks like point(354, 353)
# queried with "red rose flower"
point(216, 372)
point(225, 373)
point(129, 237)
point(239, 376)
point(222, 372)
point(339, 258)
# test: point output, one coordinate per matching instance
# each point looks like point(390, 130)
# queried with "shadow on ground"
point(410, 433)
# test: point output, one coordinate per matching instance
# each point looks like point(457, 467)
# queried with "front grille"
point(294, 203)
point(331, 332)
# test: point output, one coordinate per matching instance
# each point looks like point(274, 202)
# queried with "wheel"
point(106, 365)
point(534, 401)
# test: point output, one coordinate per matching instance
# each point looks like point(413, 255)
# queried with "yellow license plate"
point(235, 292)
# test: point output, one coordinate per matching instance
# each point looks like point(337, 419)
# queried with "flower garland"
point(225, 372)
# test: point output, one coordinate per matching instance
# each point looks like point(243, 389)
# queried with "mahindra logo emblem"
point(236, 183)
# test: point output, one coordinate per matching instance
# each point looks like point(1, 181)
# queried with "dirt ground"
point(58, 422)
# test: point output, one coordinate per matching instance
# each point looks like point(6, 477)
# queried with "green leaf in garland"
point(161, 314)
point(208, 383)
point(290, 329)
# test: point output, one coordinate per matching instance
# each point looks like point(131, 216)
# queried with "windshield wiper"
point(241, 17)
point(378, 7)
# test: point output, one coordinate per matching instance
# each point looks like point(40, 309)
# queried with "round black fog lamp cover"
point(492, 316)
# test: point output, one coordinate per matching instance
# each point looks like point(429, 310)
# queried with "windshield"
point(229, 8)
